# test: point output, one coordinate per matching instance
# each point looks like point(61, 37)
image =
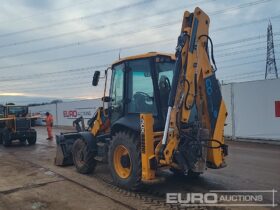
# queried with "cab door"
point(117, 92)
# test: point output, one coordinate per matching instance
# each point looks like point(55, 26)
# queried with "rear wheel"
point(6, 137)
point(83, 158)
point(1, 138)
point(125, 160)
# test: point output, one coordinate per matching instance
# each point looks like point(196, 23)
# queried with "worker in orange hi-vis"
point(49, 124)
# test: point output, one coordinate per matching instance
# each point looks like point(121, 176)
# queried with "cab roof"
point(145, 55)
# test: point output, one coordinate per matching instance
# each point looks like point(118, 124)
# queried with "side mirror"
point(95, 78)
point(106, 99)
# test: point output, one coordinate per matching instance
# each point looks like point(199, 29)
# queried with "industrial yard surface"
point(30, 180)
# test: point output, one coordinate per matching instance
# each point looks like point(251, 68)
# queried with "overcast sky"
point(51, 48)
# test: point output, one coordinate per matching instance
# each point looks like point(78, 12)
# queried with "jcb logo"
point(142, 125)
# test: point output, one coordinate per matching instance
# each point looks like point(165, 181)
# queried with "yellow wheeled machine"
point(16, 124)
point(163, 111)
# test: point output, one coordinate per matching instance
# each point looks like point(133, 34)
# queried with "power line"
point(245, 77)
point(241, 64)
point(100, 27)
point(240, 58)
point(130, 47)
point(32, 76)
point(245, 24)
point(30, 84)
point(87, 70)
point(79, 18)
point(79, 43)
point(46, 12)
point(91, 40)
point(84, 55)
point(240, 6)
point(241, 74)
point(248, 39)
point(84, 42)
point(54, 88)
point(238, 47)
point(241, 51)
point(87, 77)
point(85, 30)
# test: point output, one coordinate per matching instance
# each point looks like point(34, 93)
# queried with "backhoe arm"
point(195, 89)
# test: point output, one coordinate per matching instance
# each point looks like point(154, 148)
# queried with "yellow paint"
point(120, 170)
point(147, 146)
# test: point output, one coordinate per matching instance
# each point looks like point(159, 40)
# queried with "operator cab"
point(140, 84)
point(17, 111)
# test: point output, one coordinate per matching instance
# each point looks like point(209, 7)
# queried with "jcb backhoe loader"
point(164, 111)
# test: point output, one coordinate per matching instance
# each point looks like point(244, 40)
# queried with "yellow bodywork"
point(147, 146)
point(191, 90)
point(198, 68)
point(120, 170)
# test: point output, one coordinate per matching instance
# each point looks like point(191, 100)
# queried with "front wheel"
point(6, 137)
point(32, 140)
point(83, 157)
point(125, 160)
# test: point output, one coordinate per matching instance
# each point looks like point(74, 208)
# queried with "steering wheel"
point(142, 95)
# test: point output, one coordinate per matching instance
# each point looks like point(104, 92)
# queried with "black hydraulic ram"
point(178, 66)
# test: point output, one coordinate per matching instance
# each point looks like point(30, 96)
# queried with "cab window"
point(140, 88)
point(117, 92)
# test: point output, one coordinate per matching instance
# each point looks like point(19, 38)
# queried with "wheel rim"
point(122, 171)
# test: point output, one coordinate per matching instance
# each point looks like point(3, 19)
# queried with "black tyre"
point(83, 158)
point(125, 160)
point(1, 139)
point(6, 137)
point(32, 140)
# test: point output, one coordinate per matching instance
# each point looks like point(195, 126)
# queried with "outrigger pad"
point(64, 149)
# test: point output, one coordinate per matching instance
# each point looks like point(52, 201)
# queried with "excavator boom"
point(196, 90)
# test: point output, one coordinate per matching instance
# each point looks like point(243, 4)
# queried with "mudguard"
point(65, 143)
point(90, 139)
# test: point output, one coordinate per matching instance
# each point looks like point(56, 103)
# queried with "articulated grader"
point(163, 112)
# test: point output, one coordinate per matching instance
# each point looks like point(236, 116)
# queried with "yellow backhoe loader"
point(162, 112)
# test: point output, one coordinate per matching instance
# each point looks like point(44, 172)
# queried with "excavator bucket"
point(64, 143)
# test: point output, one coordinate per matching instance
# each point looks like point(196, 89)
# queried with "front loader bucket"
point(64, 148)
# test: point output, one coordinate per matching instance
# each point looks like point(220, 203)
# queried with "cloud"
point(138, 25)
point(12, 94)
